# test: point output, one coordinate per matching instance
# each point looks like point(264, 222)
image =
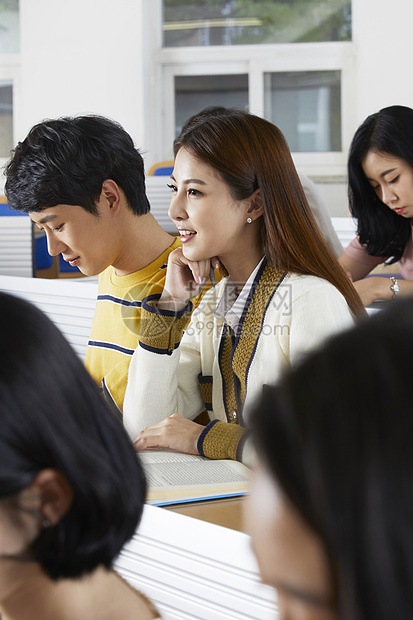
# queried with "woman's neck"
point(101, 595)
point(240, 270)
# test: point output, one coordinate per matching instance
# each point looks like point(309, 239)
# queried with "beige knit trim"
point(221, 442)
point(161, 333)
point(252, 324)
point(244, 351)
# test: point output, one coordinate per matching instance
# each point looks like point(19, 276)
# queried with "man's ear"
point(111, 193)
point(256, 205)
point(52, 494)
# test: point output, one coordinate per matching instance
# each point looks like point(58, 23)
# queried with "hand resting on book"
point(175, 432)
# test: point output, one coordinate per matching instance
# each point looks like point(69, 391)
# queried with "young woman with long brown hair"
point(237, 202)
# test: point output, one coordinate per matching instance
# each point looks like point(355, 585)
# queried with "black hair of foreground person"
point(389, 131)
point(66, 160)
point(53, 416)
point(336, 433)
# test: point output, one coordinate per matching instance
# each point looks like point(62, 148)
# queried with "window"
point(9, 27)
point(192, 94)
point(6, 119)
point(246, 22)
point(290, 61)
point(9, 65)
point(307, 105)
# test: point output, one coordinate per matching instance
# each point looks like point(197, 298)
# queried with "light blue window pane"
point(6, 119)
point(193, 93)
point(242, 22)
point(306, 106)
point(9, 27)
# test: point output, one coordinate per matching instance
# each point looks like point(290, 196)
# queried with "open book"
point(175, 478)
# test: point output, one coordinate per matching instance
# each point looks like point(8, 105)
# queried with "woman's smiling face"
point(210, 222)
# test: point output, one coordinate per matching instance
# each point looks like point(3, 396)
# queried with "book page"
point(173, 477)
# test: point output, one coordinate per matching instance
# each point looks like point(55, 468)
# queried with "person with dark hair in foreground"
point(237, 201)
point(71, 488)
point(82, 181)
point(330, 512)
point(380, 181)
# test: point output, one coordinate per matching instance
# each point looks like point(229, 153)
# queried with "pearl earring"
point(249, 220)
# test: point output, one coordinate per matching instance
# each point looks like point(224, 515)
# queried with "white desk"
point(16, 244)
point(69, 303)
point(195, 570)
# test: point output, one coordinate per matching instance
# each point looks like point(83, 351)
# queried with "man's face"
point(84, 239)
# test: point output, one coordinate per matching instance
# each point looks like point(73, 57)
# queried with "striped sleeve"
point(161, 331)
point(222, 440)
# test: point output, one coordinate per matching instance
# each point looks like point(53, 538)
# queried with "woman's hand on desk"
point(175, 432)
point(379, 287)
point(375, 287)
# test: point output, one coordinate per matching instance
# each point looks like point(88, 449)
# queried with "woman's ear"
point(54, 496)
point(256, 205)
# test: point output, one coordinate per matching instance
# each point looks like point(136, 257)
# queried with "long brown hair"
point(251, 153)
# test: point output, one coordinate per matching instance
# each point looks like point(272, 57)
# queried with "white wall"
point(382, 34)
point(81, 56)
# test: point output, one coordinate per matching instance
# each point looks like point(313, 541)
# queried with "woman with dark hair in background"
point(331, 508)
point(380, 178)
point(237, 202)
point(71, 488)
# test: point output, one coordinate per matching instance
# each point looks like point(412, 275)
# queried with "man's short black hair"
point(66, 160)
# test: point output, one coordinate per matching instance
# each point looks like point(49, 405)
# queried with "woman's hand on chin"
point(184, 280)
point(176, 433)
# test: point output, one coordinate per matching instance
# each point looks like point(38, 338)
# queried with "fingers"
point(175, 432)
point(146, 440)
point(200, 271)
point(185, 278)
point(214, 265)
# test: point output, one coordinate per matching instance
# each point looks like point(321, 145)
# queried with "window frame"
point(255, 61)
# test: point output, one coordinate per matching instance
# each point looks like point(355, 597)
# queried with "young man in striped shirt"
point(82, 181)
